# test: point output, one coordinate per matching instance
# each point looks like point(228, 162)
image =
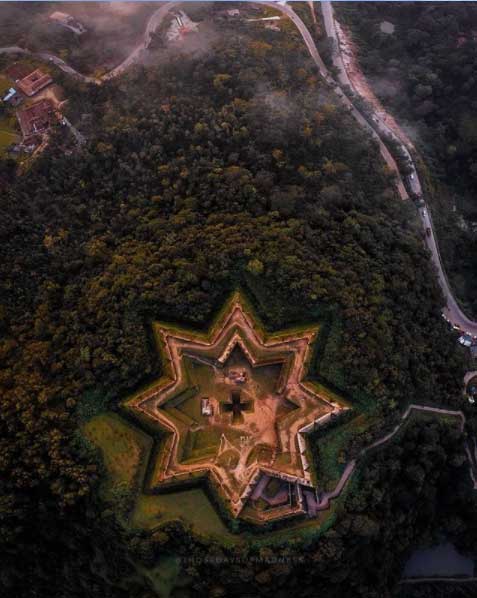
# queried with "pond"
point(442, 560)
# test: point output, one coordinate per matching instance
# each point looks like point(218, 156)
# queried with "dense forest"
point(231, 169)
point(426, 74)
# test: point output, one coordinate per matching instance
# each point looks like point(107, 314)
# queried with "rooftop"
point(32, 83)
point(35, 119)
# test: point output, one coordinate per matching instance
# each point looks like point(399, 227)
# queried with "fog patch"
point(387, 27)
point(385, 87)
point(277, 101)
point(123, 8)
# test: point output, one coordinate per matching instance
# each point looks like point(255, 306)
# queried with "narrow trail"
point(350, 467)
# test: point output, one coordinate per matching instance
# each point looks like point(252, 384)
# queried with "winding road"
point(378, 129)
point(312, 49)
point(47, 57)
point(452, 311)
point(325, 499)
point(152, 25)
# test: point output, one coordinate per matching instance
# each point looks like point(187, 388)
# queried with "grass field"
point(5, 84)
point(8, 132)
point(124, 449)
point(330, 445)
point(122, 446)
point(191, 506)
point(6, 139)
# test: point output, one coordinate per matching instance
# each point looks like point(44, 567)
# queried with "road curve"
point(454, 314)
point(312, 49)
point(452, 311)
point(153, 23)
point(47, 57)
point(468, 377)
point(325, 499)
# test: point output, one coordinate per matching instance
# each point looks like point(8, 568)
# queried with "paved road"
point(312, 49)
point(47, 57)
point(62, 65)
point(13, 50)
point(152, 25)
point(452, 310)
point(379, 128)
point(468, 377)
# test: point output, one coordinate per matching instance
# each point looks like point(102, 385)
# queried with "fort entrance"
point(234, 408)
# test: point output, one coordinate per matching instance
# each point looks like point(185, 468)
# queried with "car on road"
point(465, 340)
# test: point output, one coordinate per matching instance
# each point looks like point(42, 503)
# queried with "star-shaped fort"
point(234, 408)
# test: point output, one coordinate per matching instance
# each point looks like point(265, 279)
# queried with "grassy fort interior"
point(233, 407)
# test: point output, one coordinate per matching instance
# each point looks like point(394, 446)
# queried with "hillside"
point(231, 169)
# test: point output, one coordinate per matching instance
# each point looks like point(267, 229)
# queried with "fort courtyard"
point(234, 407)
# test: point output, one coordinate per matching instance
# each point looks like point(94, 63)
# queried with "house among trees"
point(180, 26)
point(35, 120)
point(34, 82)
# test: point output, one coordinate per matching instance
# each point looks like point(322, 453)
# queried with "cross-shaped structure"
point(236, 406)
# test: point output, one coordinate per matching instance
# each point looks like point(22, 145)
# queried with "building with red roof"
point(36, 120)
point(32, 83)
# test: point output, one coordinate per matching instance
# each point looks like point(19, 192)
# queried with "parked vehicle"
point(465, 340)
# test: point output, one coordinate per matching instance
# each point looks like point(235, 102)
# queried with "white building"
point(206, 407)
point(181, 25)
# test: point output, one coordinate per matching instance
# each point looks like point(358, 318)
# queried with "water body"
point(442, 560)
